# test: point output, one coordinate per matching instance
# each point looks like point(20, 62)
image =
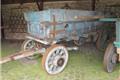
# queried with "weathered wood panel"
point(14, 21)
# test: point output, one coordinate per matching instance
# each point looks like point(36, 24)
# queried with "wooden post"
point(93, 5)
point(39, 4)
point(54, 26)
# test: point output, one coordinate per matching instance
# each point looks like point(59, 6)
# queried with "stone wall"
point(15, 25)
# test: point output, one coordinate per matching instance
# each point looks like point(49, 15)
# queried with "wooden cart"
point(47, 29)
point(112, 53)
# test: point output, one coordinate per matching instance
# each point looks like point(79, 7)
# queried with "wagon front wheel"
point(110, 58)
point(55, 59)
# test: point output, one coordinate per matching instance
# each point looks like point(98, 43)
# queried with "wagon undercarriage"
point(55, 56)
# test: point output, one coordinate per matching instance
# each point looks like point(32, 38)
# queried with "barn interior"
point(85, 63)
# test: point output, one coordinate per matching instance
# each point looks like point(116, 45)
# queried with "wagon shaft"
point(19, 55)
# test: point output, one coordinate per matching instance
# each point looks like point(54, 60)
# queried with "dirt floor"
point(84, 64)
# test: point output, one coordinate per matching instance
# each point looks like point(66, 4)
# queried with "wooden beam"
point(93, 5)
point(19, 55)
point(39, 4)
point(28, 1)
point(88, 18)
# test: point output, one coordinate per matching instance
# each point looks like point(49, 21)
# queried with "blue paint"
point(117, 23)
point(61, 15)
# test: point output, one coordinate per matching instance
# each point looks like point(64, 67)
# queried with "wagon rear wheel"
point(102, 41)
point(110, 58)
point(55, 59)
point(28, 45)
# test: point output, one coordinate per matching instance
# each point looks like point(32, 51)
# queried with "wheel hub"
point(60, 62)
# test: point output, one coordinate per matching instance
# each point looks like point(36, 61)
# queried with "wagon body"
point(67, 24)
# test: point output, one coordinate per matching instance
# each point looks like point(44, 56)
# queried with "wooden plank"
point(87, 18)
point(57, 31)
point(77, 18)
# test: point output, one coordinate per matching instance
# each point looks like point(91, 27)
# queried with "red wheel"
point(110, 58)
